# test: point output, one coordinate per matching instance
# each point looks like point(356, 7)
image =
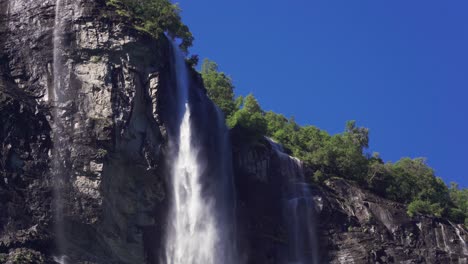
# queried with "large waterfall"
point(198, 227)
point(299, 211)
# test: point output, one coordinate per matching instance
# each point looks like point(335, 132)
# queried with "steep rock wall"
point(112, 128)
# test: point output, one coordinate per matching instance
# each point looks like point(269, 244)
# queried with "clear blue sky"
point(398, 67)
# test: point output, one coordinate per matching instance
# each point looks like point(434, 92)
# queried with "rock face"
point(363, 228)
point(113, 125)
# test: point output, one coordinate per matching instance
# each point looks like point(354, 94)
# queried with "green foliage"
point(155, 17)
point(424, 207)
point(379, 175)
point(327, 155)
point(219, 87)
point(414, 179)
point(250, 117)
point(95, 59)
point(101, 154)
point(456, 215)
point(319, 176)
point(459, 198)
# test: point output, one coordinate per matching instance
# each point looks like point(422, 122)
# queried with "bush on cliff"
point(459, 197)
point(250, 118)
point(424, 207)
point(219, 87)
point(155, 17)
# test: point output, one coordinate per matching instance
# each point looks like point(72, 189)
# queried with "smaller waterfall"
point(59, 159)
point(462, 241)
point(444, 239)
point(61, 260)
point(58, 63)
point(299, 211)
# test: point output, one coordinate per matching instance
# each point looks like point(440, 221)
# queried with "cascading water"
point(198, 230)
point(57, 52)
point(299, 211)
point(58, 160)
point(462, 241)
point(444, 239)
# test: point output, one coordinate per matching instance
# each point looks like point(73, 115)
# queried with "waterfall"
point(444, 239)
point(299, 211)
point(58, 60)
point(58, 128)
point(198, 228)
point(461, 240)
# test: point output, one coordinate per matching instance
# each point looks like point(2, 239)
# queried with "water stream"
point(299, 211)
point(198, 231)
point(462, 241)
point(57, 98)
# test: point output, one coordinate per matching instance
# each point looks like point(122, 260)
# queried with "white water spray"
point(57, 52)
point(462, 241)
point(195, 232)
point(61, 260)
point(444, 239)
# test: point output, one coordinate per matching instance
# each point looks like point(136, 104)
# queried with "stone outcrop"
point(113, 127)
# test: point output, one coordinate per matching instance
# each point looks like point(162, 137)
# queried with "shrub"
point(456, 215)
point(319, 177)
point(251, 118)
point(219, 87)
point(424, 207)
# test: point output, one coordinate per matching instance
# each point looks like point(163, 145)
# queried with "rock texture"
point(109, 125)
point(113, 128)
point(364, 228)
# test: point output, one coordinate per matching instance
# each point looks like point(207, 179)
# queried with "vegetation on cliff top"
point(409, 181)
point(157, 17)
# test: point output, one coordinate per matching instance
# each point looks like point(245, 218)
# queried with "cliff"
point(107, 140)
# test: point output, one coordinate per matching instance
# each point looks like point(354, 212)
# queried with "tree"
point(359, 135)
point(459, 198)
point(155, 17)
point(251, 118)
point(251, 105)
point(219, 87)
point(424, 207)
